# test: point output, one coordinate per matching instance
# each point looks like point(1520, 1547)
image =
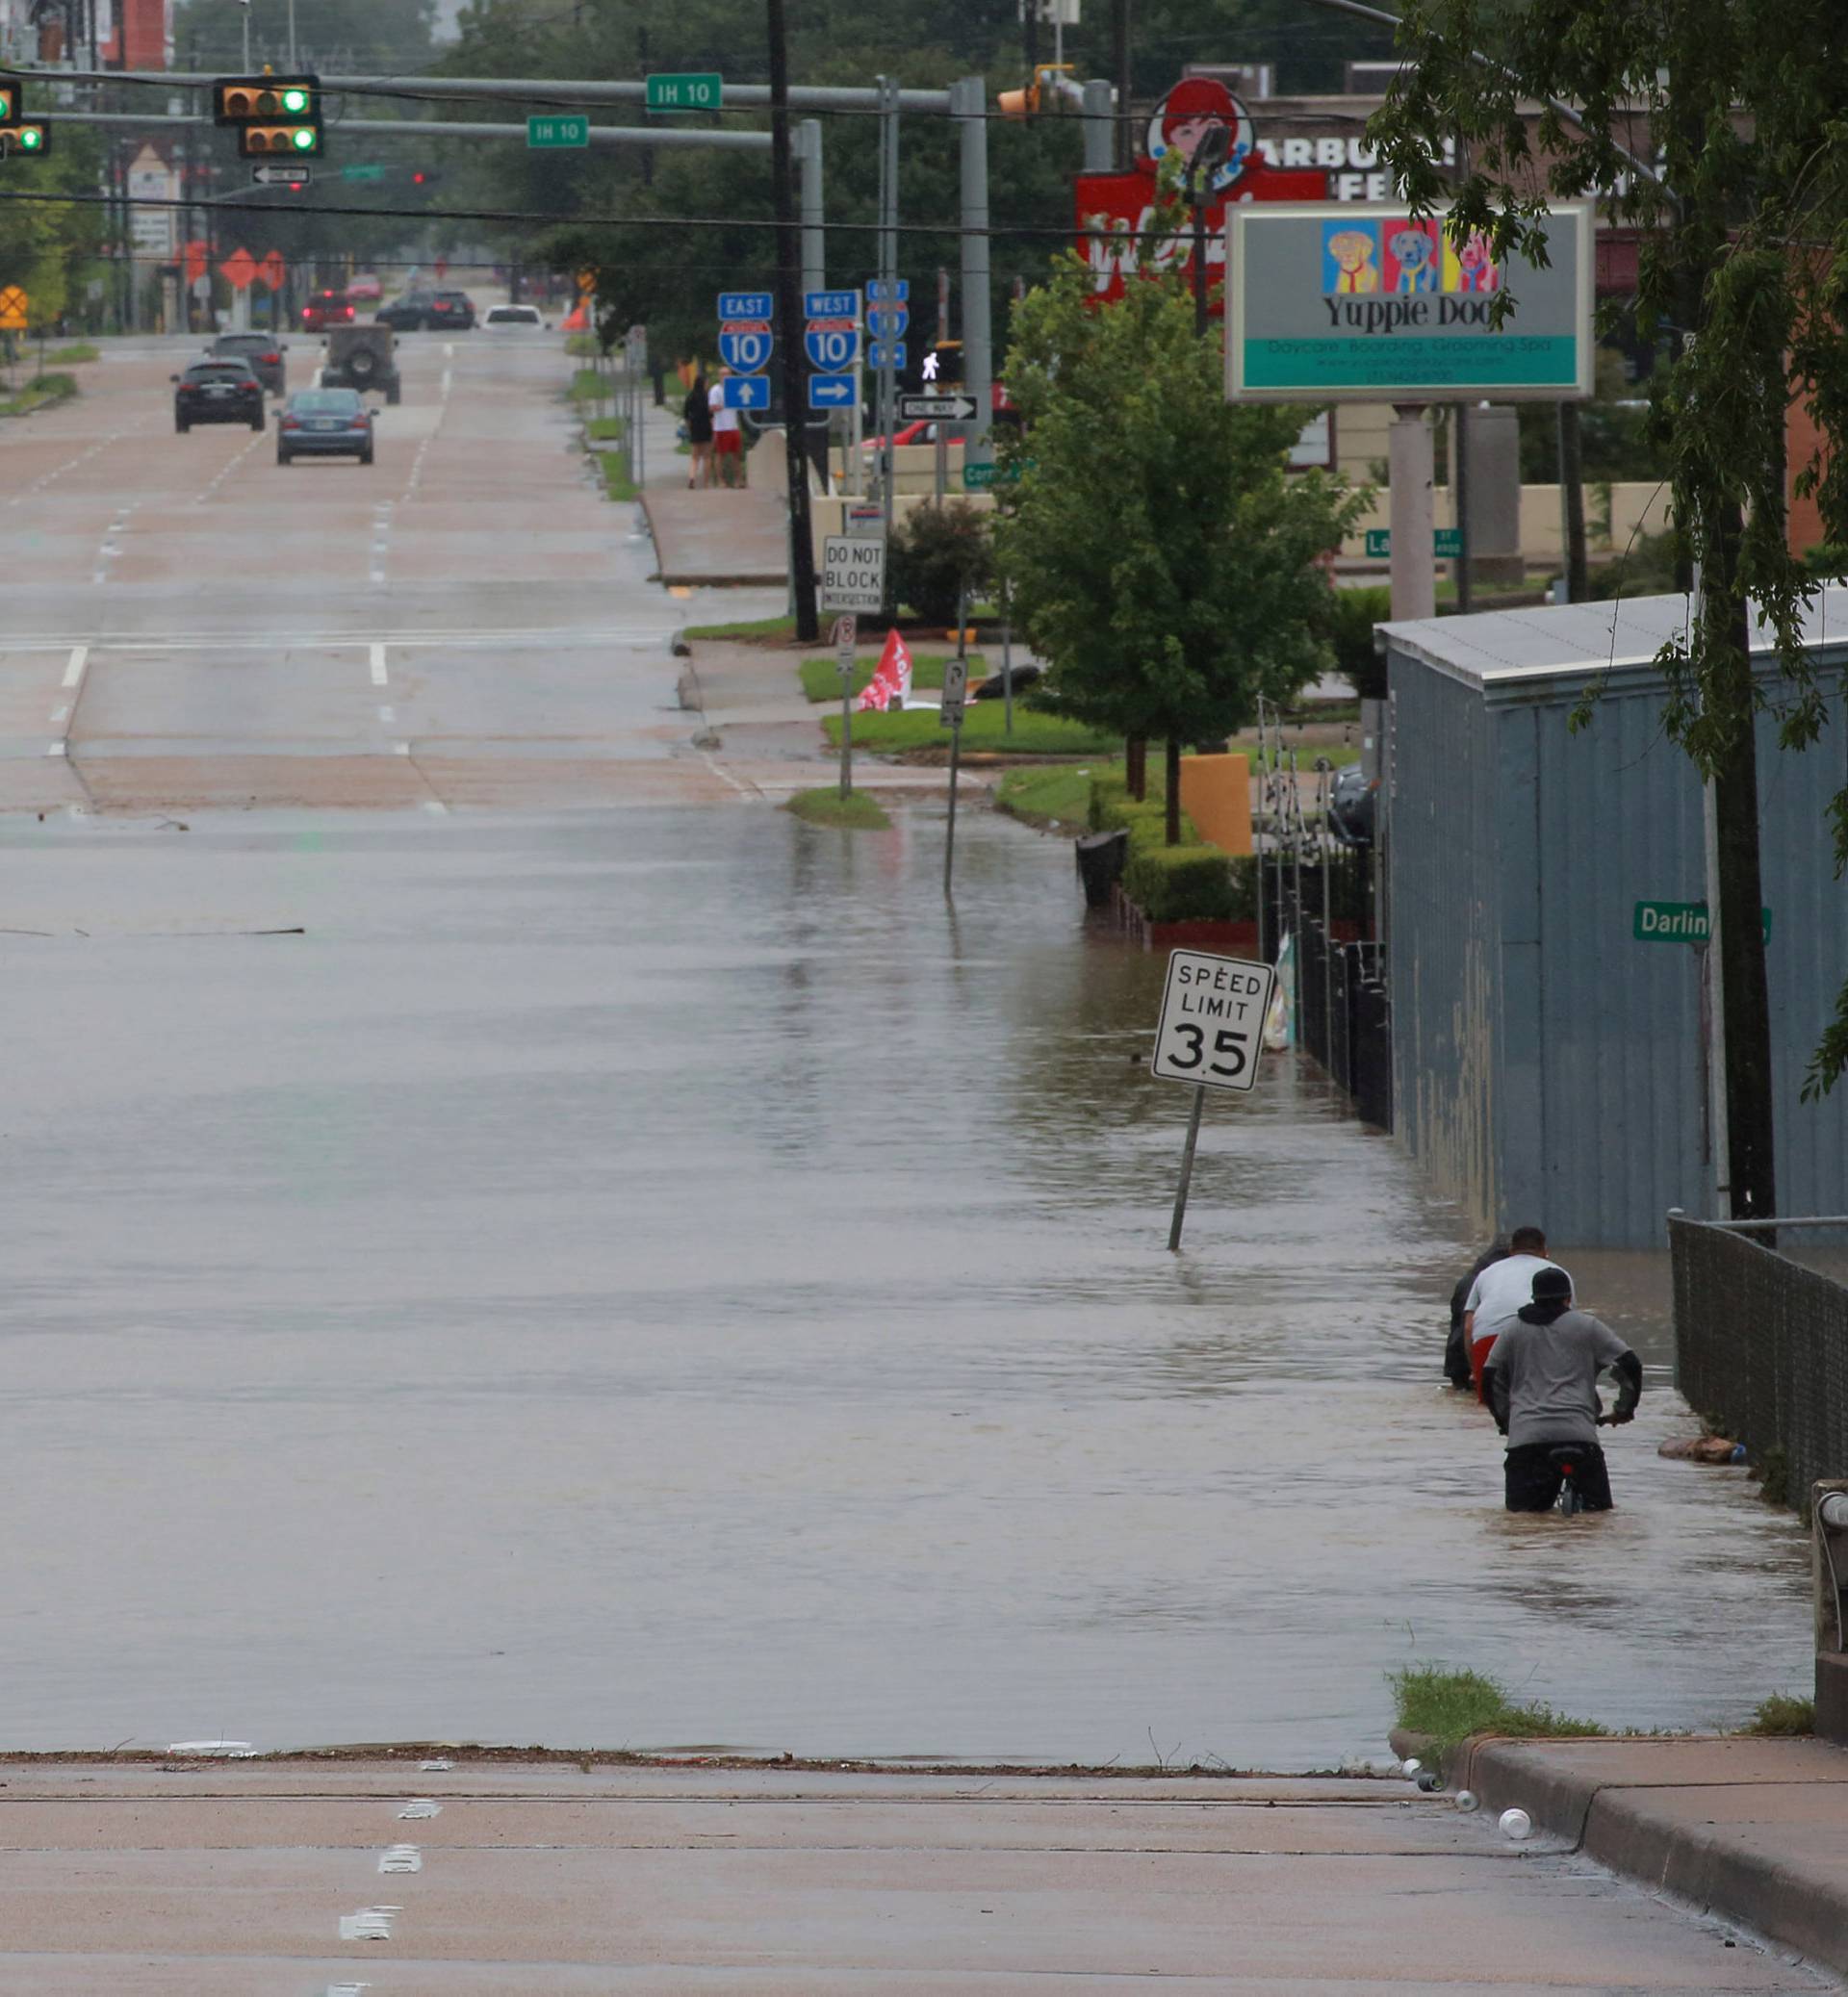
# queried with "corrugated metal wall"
point(1548, 1065)
point(1443, 927)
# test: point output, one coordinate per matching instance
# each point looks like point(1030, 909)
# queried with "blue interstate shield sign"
point(833, 344)
point(746, 347)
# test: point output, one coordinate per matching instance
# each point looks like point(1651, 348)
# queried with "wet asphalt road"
point(656, 1277)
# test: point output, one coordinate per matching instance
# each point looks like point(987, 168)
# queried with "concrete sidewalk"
point(527, 1878)
point(1750, 1830)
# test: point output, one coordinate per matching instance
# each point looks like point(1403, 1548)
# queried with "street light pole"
point(802, 550)
point(1208, 157)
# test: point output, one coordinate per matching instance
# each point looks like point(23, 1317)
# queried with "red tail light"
point(270, 360)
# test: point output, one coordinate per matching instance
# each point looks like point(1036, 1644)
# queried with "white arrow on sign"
point(937, 408)
point(281, 176)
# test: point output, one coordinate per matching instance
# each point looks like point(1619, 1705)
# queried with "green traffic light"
point(30, 138)
point(302, 140)
point(295, 100)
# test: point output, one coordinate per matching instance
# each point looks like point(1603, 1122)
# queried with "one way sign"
point(937, 408)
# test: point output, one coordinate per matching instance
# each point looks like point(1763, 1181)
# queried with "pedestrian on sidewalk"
point(728, 439)
point(1542, 1379)
point(698, 417)
point(1499, 1292)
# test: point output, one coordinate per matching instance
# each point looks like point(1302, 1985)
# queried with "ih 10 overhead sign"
point(1365, 304)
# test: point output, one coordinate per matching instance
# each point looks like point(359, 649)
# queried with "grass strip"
point(606, 428)
point(761, 628)
point(821, 677)
point(43, 393)
point(78, 350)
point(617, 483)
point(1450, 1705)
point(984, 728)
point(1057, 799)
point(856, 812)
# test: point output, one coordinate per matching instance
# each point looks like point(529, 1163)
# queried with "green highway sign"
point(1678, 922)
point(362, 173)
point(977, 478)
point(1447, 543)
point(556, 129)
point(700, 91)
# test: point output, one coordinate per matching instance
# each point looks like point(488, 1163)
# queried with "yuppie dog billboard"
point(1369, 304)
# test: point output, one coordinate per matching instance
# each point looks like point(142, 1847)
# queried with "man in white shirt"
point(728, 439)
point(1499, 1292)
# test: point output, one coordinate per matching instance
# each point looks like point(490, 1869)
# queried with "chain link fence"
point(1762, 1342)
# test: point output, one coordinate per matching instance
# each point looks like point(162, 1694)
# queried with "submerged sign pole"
point(956, 681)
point(846, 630)
point(1209, 1037)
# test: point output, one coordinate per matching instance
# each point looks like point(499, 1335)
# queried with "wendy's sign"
point(1117, 211)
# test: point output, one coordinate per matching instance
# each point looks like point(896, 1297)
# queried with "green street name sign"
point(1447, 543)
point(977, 478)
point(701, 91)
point(1678, 922)
point(362, 173)
point(556, 129)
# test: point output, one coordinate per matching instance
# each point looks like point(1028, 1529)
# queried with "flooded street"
point(656, 1278)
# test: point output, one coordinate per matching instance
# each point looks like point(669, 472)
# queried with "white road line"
point(56, 749)
point(74, 671)
point(59, 716)
point(449, 355)
point(378, 663)
point(388, 715)
point(400, 748)
point(446, 381)
point(437, 808)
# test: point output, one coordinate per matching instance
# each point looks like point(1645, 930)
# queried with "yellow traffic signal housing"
point(11, 101)
point(1026, 102)
point(1020, 103)
point(278, 141)
point(248, 100)
point(30, 138)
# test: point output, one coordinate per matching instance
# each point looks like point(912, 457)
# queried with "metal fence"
point(1762, 1341)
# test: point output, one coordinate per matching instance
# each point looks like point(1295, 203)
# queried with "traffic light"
point(1027, 101)
point(27, 139)
point(275, 117)
point(11, 101)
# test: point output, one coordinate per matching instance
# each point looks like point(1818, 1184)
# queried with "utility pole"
point(802, 548)
point(1119, 71)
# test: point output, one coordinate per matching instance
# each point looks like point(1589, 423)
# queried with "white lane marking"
point(401, 1858)
point(388, 715)
point(59, 716)
point(378, 663)
point(57, 748)
point(446, 381)
point(74, 671)
point(448, 349)
point(230, 466)
point(437, 808)
point(57, 472)
point(400, 748)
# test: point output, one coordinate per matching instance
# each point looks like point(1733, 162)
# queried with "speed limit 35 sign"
point(1212, 1012)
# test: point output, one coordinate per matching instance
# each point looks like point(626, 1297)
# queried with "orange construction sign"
point(272, 271)
point(237, 270)
point(12, 310)
point(198, 258)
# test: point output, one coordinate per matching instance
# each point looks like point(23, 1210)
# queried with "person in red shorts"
point(728, 439)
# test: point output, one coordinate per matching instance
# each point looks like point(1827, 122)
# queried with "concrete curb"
point(1755, 1846)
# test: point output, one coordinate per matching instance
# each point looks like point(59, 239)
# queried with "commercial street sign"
point(955, 687)
point(700, 89)
point(1678, 922)
point(937, 408)
point(833, 344)
point(978, 478)
point(558, 129)
point(1212, 1023)
point(746, 344)
point(1447, 543)
point(831, 391)
point(746, 390)
point(853, 572)
point(1361, 303)
point(747, 305)
point(282, 176)
point(876, 352)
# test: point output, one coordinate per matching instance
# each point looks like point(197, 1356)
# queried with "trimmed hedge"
point(1193, 881)
point(1113, 809)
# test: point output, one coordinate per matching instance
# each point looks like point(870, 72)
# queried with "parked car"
point(364, 289)
point(327, 308)
point(217, 390)
point(514, 319)
point(263, 351)
point(360, 357)
point(324, 423)
point(450, 311)
point(1351, 806)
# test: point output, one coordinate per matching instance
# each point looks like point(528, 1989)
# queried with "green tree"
point(1161, 558)
point(1744, 274)
point(46, 247)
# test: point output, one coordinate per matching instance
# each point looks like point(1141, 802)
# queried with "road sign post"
point(556, 130)
point(956, 681)
point(1210, 1030)
point(846, 630)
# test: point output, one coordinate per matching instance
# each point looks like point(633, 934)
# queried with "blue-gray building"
point(1548, 1022)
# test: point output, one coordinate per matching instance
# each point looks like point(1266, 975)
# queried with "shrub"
point(1646, 570)
point(1181, 883)
point(1782, 1715)
point(1353, 614)
point(938, 552)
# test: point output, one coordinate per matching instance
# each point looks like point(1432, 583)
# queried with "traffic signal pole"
point(789, 321)
point(969, 100)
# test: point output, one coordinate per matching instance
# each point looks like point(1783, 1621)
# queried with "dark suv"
point(263, 351)
point(406, 314)
point(223, 391)
point(361, 357)
point(451, 311)
point(436, 311)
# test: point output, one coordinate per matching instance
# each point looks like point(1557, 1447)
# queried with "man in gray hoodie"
point(1541, 1380)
